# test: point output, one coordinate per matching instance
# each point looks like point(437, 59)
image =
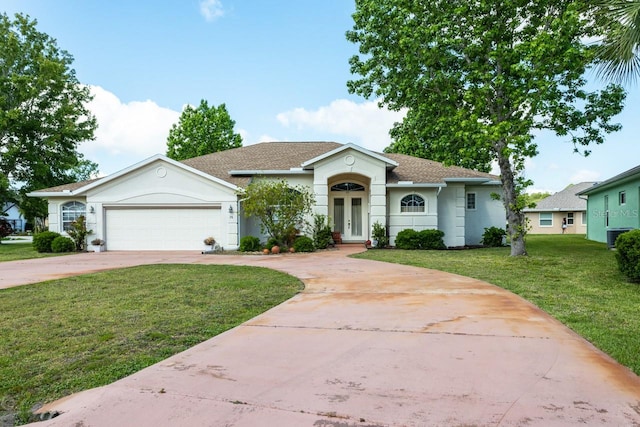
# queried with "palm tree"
point(618, 55)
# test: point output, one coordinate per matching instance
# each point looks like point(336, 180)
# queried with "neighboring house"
point(162, 204)
point(548, 215)
point(613, 205)
point(14, 217)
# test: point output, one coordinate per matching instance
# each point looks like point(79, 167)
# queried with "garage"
point(160, 228)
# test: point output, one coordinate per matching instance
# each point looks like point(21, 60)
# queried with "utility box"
point(612, 235)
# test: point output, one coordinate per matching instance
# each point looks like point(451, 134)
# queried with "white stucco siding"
point(398, 221)
point(451, 214)
point(488, 213)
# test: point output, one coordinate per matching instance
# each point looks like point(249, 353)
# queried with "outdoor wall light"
point(92, 209)
point(230, 209)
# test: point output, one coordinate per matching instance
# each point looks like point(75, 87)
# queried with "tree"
point(201, 131)
point(478, 77)
point(280, 208)
point(619, 51)
point(43, 116)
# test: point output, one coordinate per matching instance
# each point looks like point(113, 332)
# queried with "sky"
point(280, 67)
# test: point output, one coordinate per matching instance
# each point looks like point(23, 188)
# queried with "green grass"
point(63, 336)
point(18, 251)
point(575, 280)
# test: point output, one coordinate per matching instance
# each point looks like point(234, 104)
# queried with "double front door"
point(349, 216)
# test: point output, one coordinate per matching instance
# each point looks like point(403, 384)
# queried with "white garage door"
point(160, 229)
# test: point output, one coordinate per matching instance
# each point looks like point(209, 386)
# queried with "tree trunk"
point(515, 217)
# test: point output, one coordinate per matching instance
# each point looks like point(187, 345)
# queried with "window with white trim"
point(584, 218)
point(72, 211)
point(471, 201)
point(546, 219)
point(569, 218)
point(412, 203)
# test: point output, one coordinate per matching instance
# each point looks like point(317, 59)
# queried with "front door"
point(349, 217)
point(349, 210)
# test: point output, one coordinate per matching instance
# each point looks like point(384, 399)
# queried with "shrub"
point(425, 239)
point(628, 254)
point(493, 237)
point(321, 231)
point(78, 232)
point(62, 244)
point(408, 239)
point(379, 234)
point(42, 241)
point(304, 244)
point(250, 244)
point(431, 239)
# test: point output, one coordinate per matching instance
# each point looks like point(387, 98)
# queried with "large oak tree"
point(478, 78)
point(202, 130)
point(43, 116)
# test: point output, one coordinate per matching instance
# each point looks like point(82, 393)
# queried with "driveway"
point(366, 344)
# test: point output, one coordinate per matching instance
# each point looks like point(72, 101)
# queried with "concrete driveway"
point(366, 344)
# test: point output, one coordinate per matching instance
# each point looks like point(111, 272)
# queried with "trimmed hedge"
point(62, 244)
point(425, 239)
point(628, 254)
point(42, 241)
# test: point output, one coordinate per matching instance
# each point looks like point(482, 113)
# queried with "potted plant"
point(210, 241)
point(98, 245)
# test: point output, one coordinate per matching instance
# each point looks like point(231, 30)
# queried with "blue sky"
point(280, 67)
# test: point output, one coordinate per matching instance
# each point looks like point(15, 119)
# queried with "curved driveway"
point(366, 344)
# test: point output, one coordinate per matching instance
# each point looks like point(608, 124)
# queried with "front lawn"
point(575, 280)
point(18, 251)
point(63, 336)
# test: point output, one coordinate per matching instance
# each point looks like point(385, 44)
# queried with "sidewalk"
point(366, 344)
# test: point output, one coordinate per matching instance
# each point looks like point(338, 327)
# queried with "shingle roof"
point(565, 200)
point(287, 155)
point(263, 156)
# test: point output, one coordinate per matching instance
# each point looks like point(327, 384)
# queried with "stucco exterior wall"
point(579, 225)
point(601, 217)
point(398, 221)
point(489, 212)
point(451, 214)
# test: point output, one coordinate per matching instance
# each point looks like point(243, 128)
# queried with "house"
point(564, 206)
point(162, 204)
point(612, 206)
point(14, 217)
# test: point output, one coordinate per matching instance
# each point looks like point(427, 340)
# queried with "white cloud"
point(126, 131)
point(211, 9)
point(584, 175)
point(366, 122)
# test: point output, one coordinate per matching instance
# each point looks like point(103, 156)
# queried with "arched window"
point(70, 212)
point(347, 186)
point(412, 203)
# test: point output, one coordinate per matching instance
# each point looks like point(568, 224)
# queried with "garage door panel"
point(160, 229)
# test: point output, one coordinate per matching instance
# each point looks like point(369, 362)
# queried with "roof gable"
point(84, 186)
point(389, 163)
point(564, 200)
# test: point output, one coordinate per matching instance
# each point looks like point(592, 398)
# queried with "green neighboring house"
point(613, 206)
